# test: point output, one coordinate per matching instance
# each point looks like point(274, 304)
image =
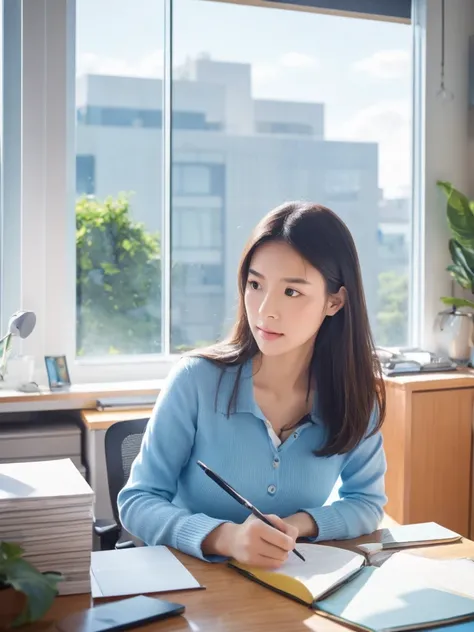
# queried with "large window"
point(311, 106)
point(119, 87)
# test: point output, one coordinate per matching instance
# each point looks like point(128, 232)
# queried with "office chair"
point(122, 444)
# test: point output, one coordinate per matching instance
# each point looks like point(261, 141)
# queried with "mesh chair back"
point(122, 444)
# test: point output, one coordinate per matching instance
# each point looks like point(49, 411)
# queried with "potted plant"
point(26, 594)
point(455, 324)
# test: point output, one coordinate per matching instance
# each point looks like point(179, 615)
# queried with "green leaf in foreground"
point(39, 588)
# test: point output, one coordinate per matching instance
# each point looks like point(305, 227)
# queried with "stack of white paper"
point(47, 508)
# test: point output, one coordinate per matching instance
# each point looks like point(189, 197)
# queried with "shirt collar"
point(245, 402)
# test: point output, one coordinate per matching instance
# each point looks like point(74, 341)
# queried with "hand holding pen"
point(270, 545)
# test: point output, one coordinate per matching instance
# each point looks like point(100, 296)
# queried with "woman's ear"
point(336, 301)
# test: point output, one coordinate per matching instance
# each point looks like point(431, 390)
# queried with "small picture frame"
point(58, 373)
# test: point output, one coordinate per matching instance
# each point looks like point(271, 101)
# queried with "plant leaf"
point(460, 276)
point(9, 550)
point(462, 256)
point(39, 588)
point(457, 302)
point(460, 259)
point(460, 215)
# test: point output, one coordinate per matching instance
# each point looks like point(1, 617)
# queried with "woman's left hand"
point(304, 524)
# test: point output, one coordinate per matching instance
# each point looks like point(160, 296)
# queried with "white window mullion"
point(166, 176)
point(46, 250)
point(417, 253)
point(33, 174)
point(10, 284)
point(60, 182)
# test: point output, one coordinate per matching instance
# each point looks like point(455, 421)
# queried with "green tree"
point(392, 314)
point(118, 287)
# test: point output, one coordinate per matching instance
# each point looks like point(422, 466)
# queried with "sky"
point(360, 69)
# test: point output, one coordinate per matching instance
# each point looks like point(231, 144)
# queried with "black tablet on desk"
point(120, 615)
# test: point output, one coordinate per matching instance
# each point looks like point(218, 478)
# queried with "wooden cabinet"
point(428, 442)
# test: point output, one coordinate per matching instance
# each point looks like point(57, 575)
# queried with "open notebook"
point(407, 592)
point(325, 568)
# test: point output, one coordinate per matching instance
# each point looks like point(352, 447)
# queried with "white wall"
point(448, 149)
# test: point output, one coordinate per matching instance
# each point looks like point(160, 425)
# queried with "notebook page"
point(325, 566)
point(407, 590)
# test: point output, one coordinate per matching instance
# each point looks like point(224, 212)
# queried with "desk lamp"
point(21, 324)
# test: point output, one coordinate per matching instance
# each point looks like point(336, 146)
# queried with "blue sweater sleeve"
point(145, 504)
point(362, 493)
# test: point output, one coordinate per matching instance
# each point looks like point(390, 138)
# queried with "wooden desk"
point(232, 603)
point(428, 443)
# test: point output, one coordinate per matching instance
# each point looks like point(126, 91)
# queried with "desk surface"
point(232, 603)
point(84, 396)
point(461, 378)
point(103, 419)
point(77, 397)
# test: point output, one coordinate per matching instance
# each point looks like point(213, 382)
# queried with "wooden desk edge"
point(85, 391)
point(87, 394)
point(102, 419)
point(431, 381)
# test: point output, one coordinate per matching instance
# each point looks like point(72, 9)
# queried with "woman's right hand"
point(253, 542)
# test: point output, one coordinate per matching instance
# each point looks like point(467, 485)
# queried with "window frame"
point(398, 9)
point(38, 198)
point(10, 229)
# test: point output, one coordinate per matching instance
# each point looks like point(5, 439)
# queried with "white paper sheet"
point(138, 571)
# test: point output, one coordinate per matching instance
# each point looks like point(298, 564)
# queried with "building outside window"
point(85, 175)
point(342, 184)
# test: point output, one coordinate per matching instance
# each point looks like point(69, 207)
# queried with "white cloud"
point(385, 64)
point(381, 120)
point(388, 123)
point(149, 66)
point(298, 60)
point(264, 73)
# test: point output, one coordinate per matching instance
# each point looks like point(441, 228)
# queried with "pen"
point(240, 499)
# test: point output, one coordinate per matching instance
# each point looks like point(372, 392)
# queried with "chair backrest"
point(122, 444)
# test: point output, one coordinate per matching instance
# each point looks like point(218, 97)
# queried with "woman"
point(289, 404)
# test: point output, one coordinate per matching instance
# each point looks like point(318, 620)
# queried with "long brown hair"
point(344, 366)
